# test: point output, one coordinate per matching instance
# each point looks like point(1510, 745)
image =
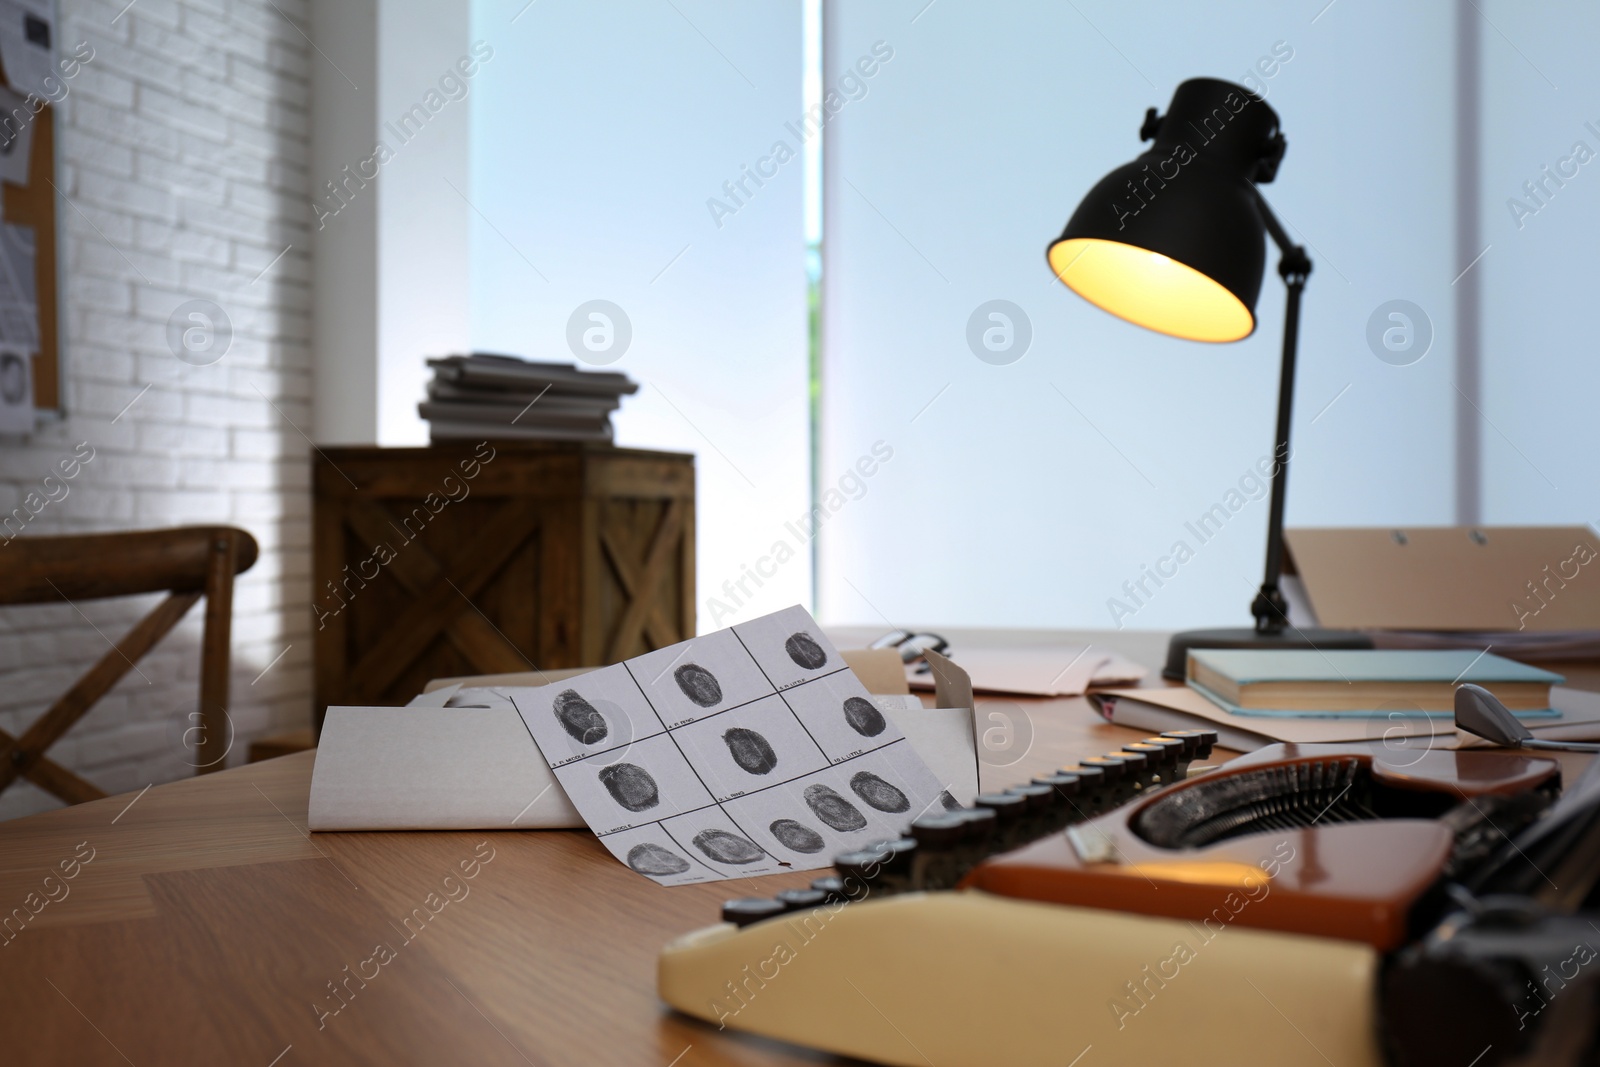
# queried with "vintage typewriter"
point(1343, 904)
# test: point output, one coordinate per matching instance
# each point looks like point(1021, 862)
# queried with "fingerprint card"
point(700, 677)
point(749, 748)
point(789, 647)
point(589, 715)
point(715, 840)
point(753, 750)
point(652, 852)
point(838, 712)
point(645, 782)
point(810, 820)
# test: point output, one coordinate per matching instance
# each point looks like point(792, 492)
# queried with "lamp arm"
point(1280, 236)
point(1270, 609)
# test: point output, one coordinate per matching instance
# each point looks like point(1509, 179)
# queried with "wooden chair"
point(187, 563)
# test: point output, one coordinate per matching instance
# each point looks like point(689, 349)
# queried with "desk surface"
point(210, 927)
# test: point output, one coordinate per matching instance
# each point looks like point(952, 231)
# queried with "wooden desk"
point(209, 925)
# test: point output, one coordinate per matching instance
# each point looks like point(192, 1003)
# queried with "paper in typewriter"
point(752, 750)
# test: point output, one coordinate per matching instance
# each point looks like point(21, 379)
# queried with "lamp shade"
point(1175, 240)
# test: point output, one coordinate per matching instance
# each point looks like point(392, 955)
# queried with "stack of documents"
point(506, 397)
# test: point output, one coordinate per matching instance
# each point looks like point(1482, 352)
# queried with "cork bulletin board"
point(32, 77)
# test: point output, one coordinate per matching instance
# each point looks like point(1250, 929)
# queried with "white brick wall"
point(184, 153)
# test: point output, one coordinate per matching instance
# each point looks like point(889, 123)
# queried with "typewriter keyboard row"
point(939, 848)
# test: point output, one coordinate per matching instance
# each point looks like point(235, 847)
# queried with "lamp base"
point(1308, 637)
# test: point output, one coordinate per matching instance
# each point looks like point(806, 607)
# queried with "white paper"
point(425, 767)
point(436, 698)
point(16, 137)
point(19, 304)
point(752, 750)
point(16, 391)
point(944, 738)
point(27, 39)
point(432, 769)
point(1051, 671)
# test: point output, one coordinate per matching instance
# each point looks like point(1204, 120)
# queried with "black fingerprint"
point(727, 848)
point(698, 684)
point(631, 786)
point(653, 859)
point(578, 717)
point(833, 809)
point(877, 792)
point(864, 717)
point(949, 802)
point(805, 651)
point(750, 750)
point(797, 835)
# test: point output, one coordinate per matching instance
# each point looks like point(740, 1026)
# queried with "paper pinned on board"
point(1046, 671)
point(27, 44)
point(19, 304)
point(751, 750)
point(16, 137)
point(17, 414)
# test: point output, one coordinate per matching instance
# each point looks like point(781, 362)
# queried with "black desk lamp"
point(1173, 242)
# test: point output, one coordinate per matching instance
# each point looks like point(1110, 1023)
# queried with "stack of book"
point(1257, 697)
point(485, 395)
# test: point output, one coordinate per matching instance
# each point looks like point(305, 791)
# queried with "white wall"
point(1025, 495)
point(599, 134)
point(344, 223)
point(390, 176)
point(1540, 96)
point(428, 63)
point(183, 164)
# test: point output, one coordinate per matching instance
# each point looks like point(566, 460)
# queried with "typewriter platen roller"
point(1291, 907)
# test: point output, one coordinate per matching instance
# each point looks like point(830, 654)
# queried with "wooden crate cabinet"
point(484, 558)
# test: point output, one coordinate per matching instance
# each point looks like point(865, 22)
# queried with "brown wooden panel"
point(545, 593)
point(184, 561)
point(562, 580)
point(630, 476)
point(36, 570)
point(20, 754)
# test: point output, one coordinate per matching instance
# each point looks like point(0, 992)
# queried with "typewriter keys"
point(1197, 746)
point(1008, 818)
point(940, 848)
point(832, 888)
point(884, 866)
point(801, 899)
point(1038, 800)
point(942, 856)
point(1158, 762)
point(1094, 796)
point(749, 910)
point(1064, 809)
point(981, 825)
point(1170, 758)
point(1136, 765)
point(1116, 780)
